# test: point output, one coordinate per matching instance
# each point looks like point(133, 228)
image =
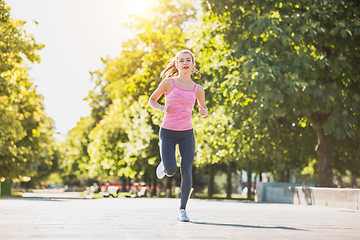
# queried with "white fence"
point(304, 195)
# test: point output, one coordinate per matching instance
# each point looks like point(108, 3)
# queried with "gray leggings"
point(186, 141)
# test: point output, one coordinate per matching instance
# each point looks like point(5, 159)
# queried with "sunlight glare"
point(139, 7)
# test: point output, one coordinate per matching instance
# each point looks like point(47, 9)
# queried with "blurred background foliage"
point(282, 87)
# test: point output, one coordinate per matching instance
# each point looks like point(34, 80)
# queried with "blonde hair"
point(171, 70)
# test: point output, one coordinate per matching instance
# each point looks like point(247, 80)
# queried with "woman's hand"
point(203, 111)
point(168, 109)
point(200, 95)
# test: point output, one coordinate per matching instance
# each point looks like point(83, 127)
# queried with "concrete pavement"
point(151, 218)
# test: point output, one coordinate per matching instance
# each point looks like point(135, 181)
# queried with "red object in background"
point(104, 187)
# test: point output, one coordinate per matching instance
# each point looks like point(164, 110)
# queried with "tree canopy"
point(281, 82)
point(295, 62)
point(27, 147)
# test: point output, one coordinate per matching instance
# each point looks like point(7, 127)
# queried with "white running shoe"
point(160, 171)
point(183, 216)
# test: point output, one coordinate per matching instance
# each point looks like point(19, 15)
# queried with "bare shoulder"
point(166, 85)
point(166, 82)
point(199, 89)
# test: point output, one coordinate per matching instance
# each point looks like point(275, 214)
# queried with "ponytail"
point(171, 70)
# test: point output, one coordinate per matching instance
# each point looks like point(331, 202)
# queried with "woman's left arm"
point(200, 95)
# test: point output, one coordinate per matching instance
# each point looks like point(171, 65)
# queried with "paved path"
point(54, 218)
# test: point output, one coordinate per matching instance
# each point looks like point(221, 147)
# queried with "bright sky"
point(76, 34)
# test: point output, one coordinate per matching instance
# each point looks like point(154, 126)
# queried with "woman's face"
point(184, 62)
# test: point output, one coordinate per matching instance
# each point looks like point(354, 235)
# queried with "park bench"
point(110, 190)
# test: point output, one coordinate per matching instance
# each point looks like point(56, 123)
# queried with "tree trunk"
point(211, 181)
point(124, 186)
point(324, 151)
point(340, 182)
point(169, 187)
point(249, 172)
point(287, 175)
point(281, 176)
point(353, 181)
point(229, 184)
point(154, 190)
point(128, 184)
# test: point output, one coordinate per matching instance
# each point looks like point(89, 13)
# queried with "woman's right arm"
point(162, 89)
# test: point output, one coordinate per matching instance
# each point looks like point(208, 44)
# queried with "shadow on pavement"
point(246, 226)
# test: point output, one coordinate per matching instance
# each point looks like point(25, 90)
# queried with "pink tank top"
point(183, 103)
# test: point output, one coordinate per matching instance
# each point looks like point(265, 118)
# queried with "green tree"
point(26, 143)
point(75, 165)
point(347, 155)
point(295, 58)
point(121, 140)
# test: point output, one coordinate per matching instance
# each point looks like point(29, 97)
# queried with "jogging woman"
point(180, 95)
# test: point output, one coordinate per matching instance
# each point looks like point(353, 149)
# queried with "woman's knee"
point(170, 171)
point(186, 172)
